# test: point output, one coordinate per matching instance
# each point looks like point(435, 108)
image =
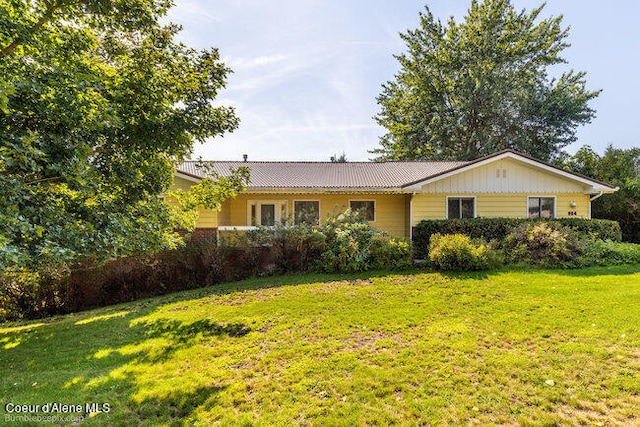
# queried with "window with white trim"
point(367, 208)
point(542, 207)
point(461, 207)
point(266, 212)
point(306, 211)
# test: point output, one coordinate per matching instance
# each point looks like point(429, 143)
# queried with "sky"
point(306, 73)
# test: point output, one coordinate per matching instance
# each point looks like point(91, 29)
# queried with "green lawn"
point(550, 347)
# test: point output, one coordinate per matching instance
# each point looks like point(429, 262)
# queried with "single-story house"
point(395, 196)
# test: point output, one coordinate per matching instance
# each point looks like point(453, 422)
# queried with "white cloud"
point(244, 63)
point(307, 73)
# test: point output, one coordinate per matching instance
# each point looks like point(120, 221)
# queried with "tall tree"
point(619, 167)
point(97, 104)
point(469, 89)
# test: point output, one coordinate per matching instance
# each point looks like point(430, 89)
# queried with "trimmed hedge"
point(498, 228)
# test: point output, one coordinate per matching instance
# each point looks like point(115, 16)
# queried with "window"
point(306, 211)
point(367, 208)
point(542, 207)
point(461, 207)
point(266, 213)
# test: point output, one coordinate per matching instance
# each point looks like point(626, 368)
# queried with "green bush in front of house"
point(543, 244)
point(390, 253)
point(456, 252)
point(490, 229)
point(600, 252)
point(352, 244)
point(342, 243)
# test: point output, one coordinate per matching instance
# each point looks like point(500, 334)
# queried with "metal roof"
point(328, 175)
point(363, 176)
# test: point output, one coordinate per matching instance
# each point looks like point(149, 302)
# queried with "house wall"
point(496, 205)
point(502, 189)
point(390, 214)
point(505, 176)
point(207, 218)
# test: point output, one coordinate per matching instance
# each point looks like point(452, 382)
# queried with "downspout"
point(595, 197)
point(411, 216)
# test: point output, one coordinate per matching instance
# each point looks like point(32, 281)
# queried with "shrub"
point(490, 229)
point(292, 248)
point(543, 244)
point(596, 229)
point(456, 252)
point(348, 237)
point(610, 253)
point(27, 294)
point(342, 243)
point(390, 253)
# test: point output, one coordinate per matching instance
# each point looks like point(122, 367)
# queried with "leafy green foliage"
point(613, 253)
point(390, 253)
point(470, 89)
point(292, 248)
point(342, 243)
point(97, 105)
point(619, 167)
point(456, 252)
point(26, 294)
point(490, 229)
point(348, 239)
point(543, 245)
point(352, 244)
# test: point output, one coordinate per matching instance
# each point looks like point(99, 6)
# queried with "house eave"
point(325, 190)
point(188, 176)
point(593, 186)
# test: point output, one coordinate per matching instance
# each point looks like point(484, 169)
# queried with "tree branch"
point(37, 181)
point(51, 7)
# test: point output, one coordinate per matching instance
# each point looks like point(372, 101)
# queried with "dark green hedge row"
point(498, 228)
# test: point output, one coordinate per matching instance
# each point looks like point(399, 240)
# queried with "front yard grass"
point(534, 347)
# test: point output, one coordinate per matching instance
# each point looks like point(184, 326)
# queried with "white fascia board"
point(326, 190)
point(187, 177)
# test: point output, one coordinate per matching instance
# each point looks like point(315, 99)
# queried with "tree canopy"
point(468, 89)
point(618, 167)
point(98, 103)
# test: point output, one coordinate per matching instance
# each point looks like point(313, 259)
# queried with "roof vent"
point(245, 157)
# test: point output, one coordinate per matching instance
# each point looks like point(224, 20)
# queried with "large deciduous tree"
point(619, 167)
point(98, 103)
point(472, 88)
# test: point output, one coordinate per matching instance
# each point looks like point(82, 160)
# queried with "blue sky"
point(307, 72)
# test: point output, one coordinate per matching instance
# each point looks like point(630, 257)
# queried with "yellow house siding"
point(495, 205)
point(181, 184)
point(504, 176)
point(390, 214)
point(206, 217)
point(429, 206)
point(501, 205)
point(582, 208)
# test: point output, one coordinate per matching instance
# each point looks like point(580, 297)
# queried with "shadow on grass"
point(616, 270)
point(122, 354)
point(107, 356)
